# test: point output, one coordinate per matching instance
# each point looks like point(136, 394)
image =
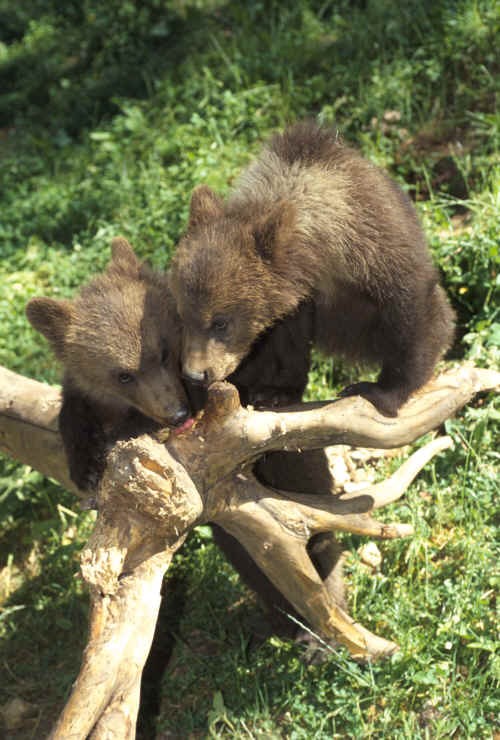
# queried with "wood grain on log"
point(156, 489)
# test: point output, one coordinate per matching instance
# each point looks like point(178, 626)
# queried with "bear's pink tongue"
point(184, 427)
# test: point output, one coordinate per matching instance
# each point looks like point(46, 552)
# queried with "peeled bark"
point(156, 489)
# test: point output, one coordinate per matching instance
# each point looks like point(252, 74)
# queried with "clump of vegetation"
point(109, 115)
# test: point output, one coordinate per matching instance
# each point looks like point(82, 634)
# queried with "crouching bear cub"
point(312, 221)
point(119, 343)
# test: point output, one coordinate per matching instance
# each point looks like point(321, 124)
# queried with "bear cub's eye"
point(219, 324)
point(125, 377)
point(165, 354)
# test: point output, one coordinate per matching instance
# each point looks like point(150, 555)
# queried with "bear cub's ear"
point(51, 318)
point(123, 257)
point(206, 206)
point(273, 230)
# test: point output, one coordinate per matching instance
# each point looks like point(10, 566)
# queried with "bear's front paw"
point(386, 402)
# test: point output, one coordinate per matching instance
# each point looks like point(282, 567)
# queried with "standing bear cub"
point(119, 343)
point(312, 221)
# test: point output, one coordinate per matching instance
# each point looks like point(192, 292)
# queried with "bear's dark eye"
point(219, 325)
point(125, 377)
point(164, 356)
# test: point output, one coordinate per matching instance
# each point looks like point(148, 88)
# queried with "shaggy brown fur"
point(274, 373)
point(311, 220)
point(121, 360)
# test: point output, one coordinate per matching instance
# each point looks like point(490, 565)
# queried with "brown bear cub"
point(121, 361)
point(312, 221)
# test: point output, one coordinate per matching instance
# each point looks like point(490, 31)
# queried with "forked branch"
point(154, 492)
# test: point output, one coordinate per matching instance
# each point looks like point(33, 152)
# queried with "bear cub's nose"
point(181, 415)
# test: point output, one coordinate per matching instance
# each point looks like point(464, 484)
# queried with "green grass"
point(110, 113)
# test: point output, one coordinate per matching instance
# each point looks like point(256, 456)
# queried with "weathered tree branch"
point(28, 425)
point(155, 490)
point(106, 693)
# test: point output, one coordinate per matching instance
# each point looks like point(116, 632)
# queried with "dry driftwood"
point(154, 492)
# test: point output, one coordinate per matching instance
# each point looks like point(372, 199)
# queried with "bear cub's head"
point(119, 338)
point(230, 282)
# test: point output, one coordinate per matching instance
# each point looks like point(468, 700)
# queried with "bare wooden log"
point(153, 493)
point(29, 409)
point(392, 488)
point(106, 693)
point(379, 494)
point(143, 519)
point(243, 435)
point(277, 538)
point(28, 425)
point(290, 519)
